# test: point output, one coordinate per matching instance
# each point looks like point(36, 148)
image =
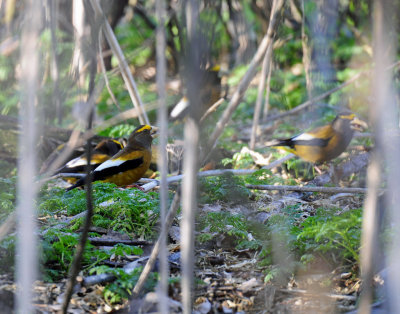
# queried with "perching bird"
point(323, 143)
point(102, 152)
point(129, 164)
point(208, 94)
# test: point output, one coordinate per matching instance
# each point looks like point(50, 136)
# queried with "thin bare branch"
point(267, 93)
point(76, 262)
point(104, 71)
point(211, 109)
point(261, 87)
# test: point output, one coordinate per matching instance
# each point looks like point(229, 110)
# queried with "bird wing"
point(123, 161)
point(317, 137)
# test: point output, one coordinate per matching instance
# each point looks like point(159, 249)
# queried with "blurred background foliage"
point(232, 31)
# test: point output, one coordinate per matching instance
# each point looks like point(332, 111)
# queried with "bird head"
point(348, 121)
point(142, 136)
point(108, 147)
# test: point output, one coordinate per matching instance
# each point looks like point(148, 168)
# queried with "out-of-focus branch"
point(76, 263)
point(26, 250)
point(162, 117)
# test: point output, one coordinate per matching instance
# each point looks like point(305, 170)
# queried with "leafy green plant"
point(7, 196)
point(122, 287)
point(236, 226)
point(324, 234)
point(340, 235)
point(129, 211)
point(225, 188)
point(265, 176)
point(239, 160)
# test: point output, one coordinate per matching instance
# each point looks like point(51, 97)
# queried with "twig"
point(111, 242)
point(244, 83)
point(104, 71)
point(212, 109)
point(125, 71)
point(319, 189)
point(261, 87)
point(267, 92)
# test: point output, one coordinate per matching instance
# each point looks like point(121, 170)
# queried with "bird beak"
point(358, 125)
point(154, 132)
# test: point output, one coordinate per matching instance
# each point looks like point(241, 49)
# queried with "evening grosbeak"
point(129, 164)
point(323, 143)
point(102, 152)
point(209, 94)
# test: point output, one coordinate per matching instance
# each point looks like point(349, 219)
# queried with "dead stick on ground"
point(329, 295)
point(211, 173)
point(319, 189)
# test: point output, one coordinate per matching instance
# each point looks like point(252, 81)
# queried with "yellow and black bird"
point(323, 143)
point(209, 93)
point(129, 164)
point(102, 152)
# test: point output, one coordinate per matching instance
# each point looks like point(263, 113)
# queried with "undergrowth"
point(325, 235)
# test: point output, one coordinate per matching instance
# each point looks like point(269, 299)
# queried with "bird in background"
point(102, 152)
point(129, 164)
point(323, 143)
point(209, 93)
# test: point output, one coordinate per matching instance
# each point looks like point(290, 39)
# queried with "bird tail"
point(278, 142)
point(79, 183)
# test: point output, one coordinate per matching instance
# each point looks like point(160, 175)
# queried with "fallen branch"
point(111, 242)
point(319, 189)
point(218, 172)
point(329, 295)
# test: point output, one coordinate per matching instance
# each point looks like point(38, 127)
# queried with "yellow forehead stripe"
point(118, 143)
point(146, 127)
point(348, 117)
point(216, 68)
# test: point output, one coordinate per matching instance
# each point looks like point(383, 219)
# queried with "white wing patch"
point(76, 162)
point(303, 137)
point(109, 164)
point(179, 107)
